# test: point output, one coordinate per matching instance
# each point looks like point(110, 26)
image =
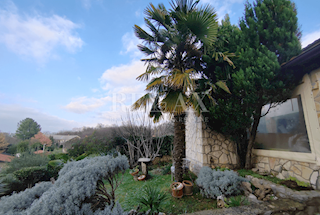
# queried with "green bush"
point(3, 187)
point(26, 159)
point(13, 184)
point(37, 146)
point(54, 167)
point(60, 156)
point(31, 175)
point(12, 149)
point(23, 146)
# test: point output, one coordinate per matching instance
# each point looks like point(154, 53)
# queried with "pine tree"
point(27, 128)
point(268, 36)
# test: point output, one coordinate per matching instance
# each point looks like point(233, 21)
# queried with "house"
point(5, 159)
point(65, 140)
point(288, 139)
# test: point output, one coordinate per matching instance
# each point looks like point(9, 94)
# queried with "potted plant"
point(134, 171)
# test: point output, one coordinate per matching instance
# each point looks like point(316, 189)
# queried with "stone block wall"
point(282, 168)
point(207, 148)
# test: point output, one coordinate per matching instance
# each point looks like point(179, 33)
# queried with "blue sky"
point(69, 64)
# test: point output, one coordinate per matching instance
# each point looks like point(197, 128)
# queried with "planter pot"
point(177, 189)
point(134, 173)
point(188, 187)
point(141, 177)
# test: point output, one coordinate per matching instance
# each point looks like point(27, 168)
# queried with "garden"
point(223, 72)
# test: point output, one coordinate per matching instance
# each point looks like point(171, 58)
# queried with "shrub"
point(215, 183)
point(3, 187)
point(74, 190)
point(60, 156)
point(23, 146)
point(20, 201)
point(12, 149)
point(37, 146)
point(13, 184)
point(54, 167)
point(31, 175)
point(26, 159)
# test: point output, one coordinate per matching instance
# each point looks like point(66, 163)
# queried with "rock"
point(246, 186)
point(257, 183)
point(255, 169)
point(314, 177)
point(306, 172)
point(278, 168)
point(223, 159)
point(318, 183)
point(287, 165)
point(253, 198)
point(249, 177)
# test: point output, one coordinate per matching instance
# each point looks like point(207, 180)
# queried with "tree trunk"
point(253, 133)
point(179, 146)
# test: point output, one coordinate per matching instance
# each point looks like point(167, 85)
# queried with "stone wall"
point(282, 168)
point(207, 148)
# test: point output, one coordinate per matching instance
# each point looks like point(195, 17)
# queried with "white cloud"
point(79, 79)
point(84, 104)
point(11, 115)
point(222, 7)
point(35, 35)
point(123, 77)
point(130, 43)
point(95, 90)
point(310, 38)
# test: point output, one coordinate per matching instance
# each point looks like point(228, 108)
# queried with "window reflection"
point(283, 128)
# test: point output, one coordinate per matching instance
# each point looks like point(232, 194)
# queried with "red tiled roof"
point(38, 152)
point(5, 158)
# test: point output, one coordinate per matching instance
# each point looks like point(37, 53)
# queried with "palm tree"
point(174, 44)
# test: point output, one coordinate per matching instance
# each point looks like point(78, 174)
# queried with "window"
point(283, 128)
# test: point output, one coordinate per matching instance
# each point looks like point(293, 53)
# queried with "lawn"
point(186, 204)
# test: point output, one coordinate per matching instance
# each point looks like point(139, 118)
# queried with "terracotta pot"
point(134, 173)
point(188, 187)
point(177, 189)
point(141, 177)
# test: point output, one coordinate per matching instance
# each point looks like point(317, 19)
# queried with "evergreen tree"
point(268, 36)
point(27, 128)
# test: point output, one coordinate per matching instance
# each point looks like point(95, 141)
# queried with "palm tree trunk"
point(179, 145)
point(253, 133)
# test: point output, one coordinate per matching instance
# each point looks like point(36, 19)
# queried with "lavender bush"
point(72, 192)
point(215, 183)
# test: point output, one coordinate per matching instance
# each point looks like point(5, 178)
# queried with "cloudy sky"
point(69, 64)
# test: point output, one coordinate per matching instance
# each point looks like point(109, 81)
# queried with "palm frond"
point(157, 14)
point(155, 112)
point(151, 70)
point(155, 83)
point(175, 102)
point(182, 80)
point(142, 34)
point(203, 24)
point(143, 102)
point(146, 50)
point(223, 86)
